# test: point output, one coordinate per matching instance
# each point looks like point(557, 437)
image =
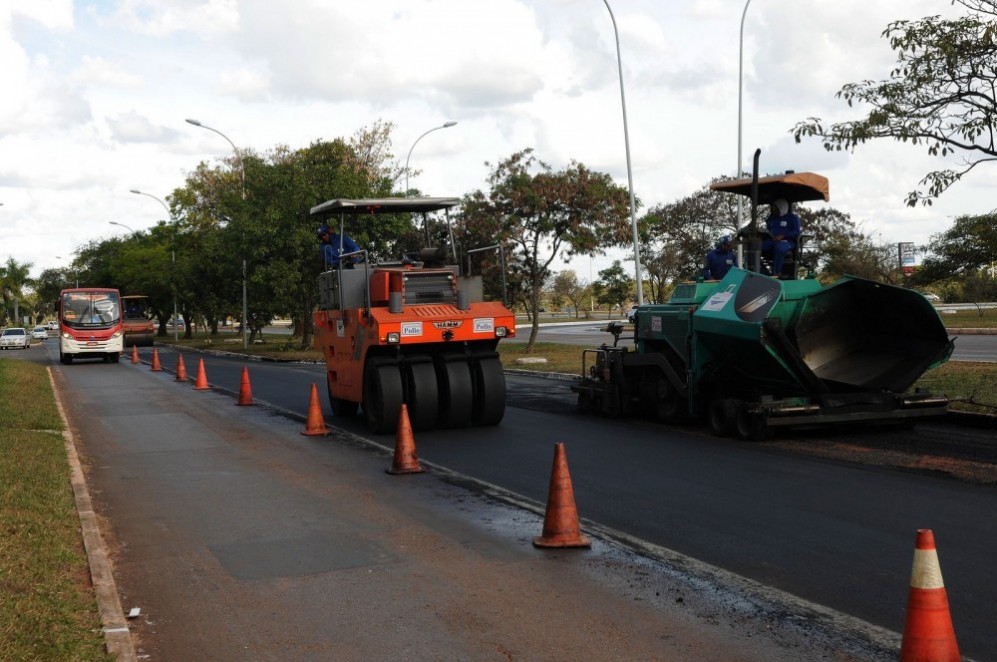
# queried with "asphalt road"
point(834, 533)
point(241, 539)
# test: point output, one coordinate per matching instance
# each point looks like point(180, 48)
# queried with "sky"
point(95, 94)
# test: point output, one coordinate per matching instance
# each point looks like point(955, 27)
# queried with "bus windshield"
point(90, 310)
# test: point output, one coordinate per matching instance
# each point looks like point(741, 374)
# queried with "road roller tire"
point(489, 392)
point(456, 393)
point(422, 394)
point(382, 397)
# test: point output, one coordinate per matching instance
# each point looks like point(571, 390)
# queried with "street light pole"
point(445, 125)
point(630, 177)
point(740, 86)
point(176, 318)
point(122, 225)
point(242, 171)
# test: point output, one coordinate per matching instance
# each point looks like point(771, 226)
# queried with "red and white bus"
point(90, 324)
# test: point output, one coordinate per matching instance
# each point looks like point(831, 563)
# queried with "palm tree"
point(13, 279)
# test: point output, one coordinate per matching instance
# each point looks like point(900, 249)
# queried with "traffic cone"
point(315, 427)
point(928, 632)
point(245, 393)
point(201, 384)
point(155, 361)
point(134, 354)
point(561, 528)
point(405, 461)
point(181, 369)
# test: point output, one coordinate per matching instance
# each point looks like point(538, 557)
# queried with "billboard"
point(905, 250)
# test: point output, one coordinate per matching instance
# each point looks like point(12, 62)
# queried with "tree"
point(14, 278)
point(966, 252)
point(271, 230)
point(48, 286)
point(541, 214)
point(855, 254)
point(941, 94)
point(614, 287)
point(677, 236)
point(565, 286)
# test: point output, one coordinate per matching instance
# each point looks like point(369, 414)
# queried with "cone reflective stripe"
point(245, 393)
point(181, 369)
point(201, 383)
point(405, 460)
point(928, 632)
point(134, 354)
point(316, 424)
point(155, 361)
point(561, 527)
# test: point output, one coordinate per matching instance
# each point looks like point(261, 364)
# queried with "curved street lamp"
point(176, 331)
point(445, 125)
point(740, 85)
point(242, 172)
point(242, 168)
point(630, 177)
point(122, 225)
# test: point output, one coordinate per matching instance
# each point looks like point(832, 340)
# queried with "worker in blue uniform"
point(784, 232)
point(720, 259)
point(333, 245)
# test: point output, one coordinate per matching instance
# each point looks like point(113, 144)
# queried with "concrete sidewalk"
point(241, 539)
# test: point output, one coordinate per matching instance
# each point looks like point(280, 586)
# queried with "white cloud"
point(98, 71)
point(244, 84)
point(158, 19)
point(132, 127)
point(52, 14)
point(94, 102)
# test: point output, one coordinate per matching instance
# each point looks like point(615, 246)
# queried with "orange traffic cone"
point(316, 424)
point(155, 361)
point(201, 384)
point(181, 369)
point(928, 632)
point(245, 393)
point(561, 528)
point(134, 354)
point(406, 461)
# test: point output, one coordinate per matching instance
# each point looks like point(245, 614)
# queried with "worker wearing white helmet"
point(784, 232)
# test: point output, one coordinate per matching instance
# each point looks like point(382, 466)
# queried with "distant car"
point(933, 298)
point(15, 338)
point(53, 325)
point(632, 314)
point(39, 333)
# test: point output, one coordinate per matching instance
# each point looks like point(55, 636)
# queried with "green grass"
point(47, 607)
point(977, 382)
point(970, 319)
point(560, 357)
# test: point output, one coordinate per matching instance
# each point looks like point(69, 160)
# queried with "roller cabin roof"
point(382, 206)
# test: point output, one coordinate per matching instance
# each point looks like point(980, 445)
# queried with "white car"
point(39, 333)
point(632, 314)
point(15, 338)
point(52, 325)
